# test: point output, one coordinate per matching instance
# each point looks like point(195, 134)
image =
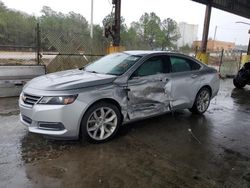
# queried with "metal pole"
point(221, 59)
point(248, 49)
point(91, 22)
point(215, 31)
point(117, 22)
point(206, 28)
point(240, 60)
point(38, 39)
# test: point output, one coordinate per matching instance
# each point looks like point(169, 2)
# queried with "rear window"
point(180, 64)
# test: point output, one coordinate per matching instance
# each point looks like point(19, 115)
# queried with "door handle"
point(161, 79)
point(165, 80)
point(194, 75)
point(127, 89)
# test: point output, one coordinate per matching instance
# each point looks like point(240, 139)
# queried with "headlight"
point(21, 97)
point(63, 100)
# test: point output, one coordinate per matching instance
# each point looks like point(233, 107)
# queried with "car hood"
point(68, 80)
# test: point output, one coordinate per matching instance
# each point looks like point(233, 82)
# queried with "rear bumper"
point(215, 85)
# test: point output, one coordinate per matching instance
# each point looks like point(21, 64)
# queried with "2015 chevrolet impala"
point(93, 102)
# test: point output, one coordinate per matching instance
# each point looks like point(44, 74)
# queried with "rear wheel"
point(202, 101)
point(101, 122)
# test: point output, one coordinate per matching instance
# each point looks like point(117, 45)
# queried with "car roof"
point(147, 52)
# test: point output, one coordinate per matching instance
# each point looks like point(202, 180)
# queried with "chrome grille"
point(30, 99)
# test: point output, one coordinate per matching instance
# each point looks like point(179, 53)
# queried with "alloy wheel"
point(102, 123)
point(203, 101)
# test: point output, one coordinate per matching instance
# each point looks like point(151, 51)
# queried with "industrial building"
point(188, 34)
point(216, 45)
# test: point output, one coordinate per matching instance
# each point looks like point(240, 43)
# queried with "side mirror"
point(134, 78)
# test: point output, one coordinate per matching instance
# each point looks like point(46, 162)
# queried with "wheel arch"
point(208, 87)
point(204, 86)
point(108, 100)
point(193, 109)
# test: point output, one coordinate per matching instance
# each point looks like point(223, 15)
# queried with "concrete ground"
point(158, 152)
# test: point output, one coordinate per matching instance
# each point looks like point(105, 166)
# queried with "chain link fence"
point(229, 63)
point(67, 50)
point(226, 62)
point(62, 51)
point(57, 50)
point(19, 48)
point(12, 54)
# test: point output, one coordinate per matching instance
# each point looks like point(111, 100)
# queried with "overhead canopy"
point(239, 7)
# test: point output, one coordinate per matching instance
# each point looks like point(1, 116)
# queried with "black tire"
point(195, 108)
point(84, 131)
point(238, 84)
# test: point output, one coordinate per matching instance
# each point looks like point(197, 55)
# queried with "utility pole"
point(38, 42)
point(114, 29)
point(215, 31)
point(117, 25)
point(91, 21)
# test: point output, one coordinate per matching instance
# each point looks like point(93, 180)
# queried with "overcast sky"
point(180, 10)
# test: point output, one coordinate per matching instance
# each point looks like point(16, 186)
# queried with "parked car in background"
point(93, 102)
point(243, 76)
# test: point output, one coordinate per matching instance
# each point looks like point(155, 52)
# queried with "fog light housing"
point(51, 126)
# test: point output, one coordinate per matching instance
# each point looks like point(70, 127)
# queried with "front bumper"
point(59, 121)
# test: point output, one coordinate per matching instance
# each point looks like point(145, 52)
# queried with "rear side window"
point(180, 64)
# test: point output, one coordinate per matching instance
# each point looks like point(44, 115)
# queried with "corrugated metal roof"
point(239, 7)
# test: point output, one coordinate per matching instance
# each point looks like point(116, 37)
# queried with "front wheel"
point(101, 122)
point(202, 101)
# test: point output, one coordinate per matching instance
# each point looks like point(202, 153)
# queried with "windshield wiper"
point(92, 71)
point(81, 68)
point(113, 74)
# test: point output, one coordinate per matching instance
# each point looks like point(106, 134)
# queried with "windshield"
point(115, 64)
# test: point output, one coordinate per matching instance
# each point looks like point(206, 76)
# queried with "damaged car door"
point(149, 88)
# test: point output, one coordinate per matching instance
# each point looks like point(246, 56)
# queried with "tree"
point(156, 34)
point(149, 32)
point(186, 49)
point(148, 29)
point(169, 35)
point(16, 28)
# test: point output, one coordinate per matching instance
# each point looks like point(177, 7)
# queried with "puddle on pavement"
point(36, 147)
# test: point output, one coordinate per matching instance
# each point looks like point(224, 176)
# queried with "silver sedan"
point(93, 102)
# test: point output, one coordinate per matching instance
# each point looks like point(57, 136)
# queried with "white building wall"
point(188, 34)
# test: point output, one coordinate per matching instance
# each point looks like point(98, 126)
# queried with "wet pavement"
point(174, 150)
